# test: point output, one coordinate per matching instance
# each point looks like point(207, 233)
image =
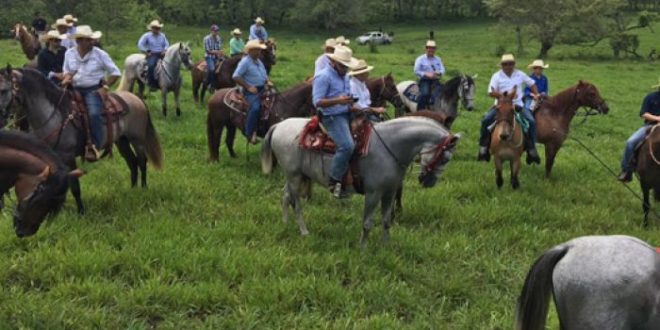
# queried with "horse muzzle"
point(427, 179)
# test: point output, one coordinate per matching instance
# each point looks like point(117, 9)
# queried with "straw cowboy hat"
point(70, 18)
point(61, 22)
point(656, 85)
point(360, 68)
point(430, 44)
point(254, 44)
point(508, 58)
point(259, 21)
point(341, 40)
point(344, 55)
point(155, 24)
point(236, 31)
point(85, 31)
point(332, 42)
point(52, 34)
point(538, 64)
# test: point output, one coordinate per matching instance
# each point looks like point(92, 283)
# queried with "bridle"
point(438, 153)
point(511, 122)
point(464, 87)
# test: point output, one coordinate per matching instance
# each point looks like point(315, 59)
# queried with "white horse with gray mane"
point(168, 73)
point(598, 282)
point(393, 146)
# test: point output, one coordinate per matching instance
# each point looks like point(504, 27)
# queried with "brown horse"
point(648, 167)
point(555, 113)
point(384, 90)
point(507, 139)
point(29, 42)
point(223, 76)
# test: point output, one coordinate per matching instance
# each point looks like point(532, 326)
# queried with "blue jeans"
point(489, 119)
point(338, 127)
point(94, 108)
point(633, 140)
point(210, 67)
point(254, 100)
point(527, 113)
point(425, 93)
point(152, 60)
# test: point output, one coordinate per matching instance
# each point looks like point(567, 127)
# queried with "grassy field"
point(204, 246)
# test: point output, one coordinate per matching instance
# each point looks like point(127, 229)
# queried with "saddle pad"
point(412, 92)
point(314, 137)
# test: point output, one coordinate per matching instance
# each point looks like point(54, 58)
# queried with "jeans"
point(633, 140)
point(254, 100)
point(426, 92)
point(94, 108)
point(489, 119)
point(210, 67)
point(152, 60)
point(527, 113)
point(338, 127)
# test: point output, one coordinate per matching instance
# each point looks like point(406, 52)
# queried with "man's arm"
point(319, 91)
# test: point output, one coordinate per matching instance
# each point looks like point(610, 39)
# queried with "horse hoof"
point(515, 185)
point(304, 233)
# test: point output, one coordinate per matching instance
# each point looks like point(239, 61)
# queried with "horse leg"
point(646, 206)
point(74, 184)
point(177, 89)
point(163, 92)
point(286, 203)
point(515, 169)
point(386, 203)
point(124, 148)
point(550, 153)
point(370, 202)
point(499, 181)
point(203, 91)
point(294, 189)
point(141, 163)
point(195, 88)
point(229, 139)
point(213, 135)
point(398, 208)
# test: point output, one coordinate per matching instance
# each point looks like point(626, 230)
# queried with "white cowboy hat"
point(52, 34)
point(155, 23)
point(507, 58)
point(259, 20)
point(656, 85)
point(236, 31)
point(70, 18)
point(360, 68)
point(431, 43)
point(344, 55)
point(61, 22)
point(85, 31)
point(341, 40)
point(252, 44)
point(332, 42)
point(538, 64)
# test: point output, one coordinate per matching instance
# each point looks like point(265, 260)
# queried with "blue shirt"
point(212, 43)
point(253, 72)
point(153, 43)
point(541, 83)
point(651, 104)
point(424, 64)
point(328, 84)
point(258, 33)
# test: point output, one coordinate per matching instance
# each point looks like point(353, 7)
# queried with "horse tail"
point(268, 160)
point(533, 302)
point(123, 82)
point(153, 148)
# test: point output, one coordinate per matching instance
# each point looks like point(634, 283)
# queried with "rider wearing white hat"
point(429, 69)
point(258, 31)
point(153, 44)
point(72, 21)
point(323, 60)
point(62, 26)
point(543, 88)
point(359, 76)
point(51, 58)
point(236, 44)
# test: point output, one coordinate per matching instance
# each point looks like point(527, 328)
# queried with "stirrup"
point(91, 153)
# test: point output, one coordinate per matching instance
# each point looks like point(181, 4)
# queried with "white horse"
point(167, 73)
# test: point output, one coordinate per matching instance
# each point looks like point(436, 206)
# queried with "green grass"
point(204, 245)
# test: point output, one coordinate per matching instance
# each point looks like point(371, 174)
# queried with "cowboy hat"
point(341, 40)
point(61, 22)
point(360, 68)
point(656, 85)
point(70, 18)
point(430, 43)
point(259, 20)
point(85, 31)
point(332, 42)
point(155, 24)
point(236, 31)
point(52, 34)
point(508, 58)
point(254, 44)
point(343, 55)
point(538, 64)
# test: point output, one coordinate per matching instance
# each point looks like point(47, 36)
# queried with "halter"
point(513, 128)
point(439, 152)
point(464, 84)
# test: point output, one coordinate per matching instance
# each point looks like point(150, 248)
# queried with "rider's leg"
point(254, 100)
point(424, 94)
point(626, 162)
point(152, 60)
point(484, 137)
point(94, 108)
point(530, 145)
point(210, 73)
point(338, 128)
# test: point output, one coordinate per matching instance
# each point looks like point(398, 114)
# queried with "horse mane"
point(450, 89)
point(32, 145)
point(436, 116)
point(35, 80)
point(560, 101)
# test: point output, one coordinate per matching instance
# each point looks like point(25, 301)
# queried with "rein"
point(398, 162)
point(439, 151)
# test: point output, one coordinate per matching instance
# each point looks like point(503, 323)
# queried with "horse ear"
point(76, 173)
point(44, 174)
point(580, 82)
point(475, 76)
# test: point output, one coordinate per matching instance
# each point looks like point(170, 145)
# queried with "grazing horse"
point(394, 144)
point(40, 178)
point(29, 42)
point(168, 73)
point(458, 88)
point(598, 282)
point(648, 167)
point(223, 77)
point(554, 115)
point(507, 139)
point(46, 108)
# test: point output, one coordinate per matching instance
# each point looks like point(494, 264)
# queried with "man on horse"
point(542, 86)
point(429, 69)
point(236, 44)
point(650, 112)
point(251, 75)
point(72, 21)
point(213, 53)
point(62, 28)
point(341, 40)
point(85, 68)
point(51, 58)
point(323, 61)
point(331, 95)
point(258, 31)
point(39, 24)
point(153, 44)
point(359, 91)
point(504, 81)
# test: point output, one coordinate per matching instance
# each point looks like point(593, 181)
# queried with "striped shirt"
point(155, 43)
point(212, 43)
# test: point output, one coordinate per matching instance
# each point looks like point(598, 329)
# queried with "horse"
point(458, 88)
point(507, 139)
point(167, 73)
point(598, 282)
point(46, 108)
point(647, 168)
point(223, 76)
point(384, 89)
point(40, 178)
point(393, 147)
point(29, 42)
point(295, 102)
point(554, 115)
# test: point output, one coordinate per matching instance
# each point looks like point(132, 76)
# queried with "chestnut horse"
point(648, 168)
point(555, 113)
point(29, 42)
point(507, 139)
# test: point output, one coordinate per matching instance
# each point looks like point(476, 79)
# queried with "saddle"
point(203, 66)
point(235, 100)
point(413, 93)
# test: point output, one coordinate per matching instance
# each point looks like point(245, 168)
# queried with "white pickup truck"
point(375, 37)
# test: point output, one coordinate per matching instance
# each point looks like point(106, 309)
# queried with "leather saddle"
point(202, 66)
point(413, 92)
point(235, 100)
point(114, 107)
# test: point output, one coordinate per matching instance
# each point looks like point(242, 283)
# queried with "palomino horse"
point(648, 167)
point(168, 73)
point(598, 282)
point(393, 146)
point(46, 108)
point(554, 115)
point(40, 178)
point(507, 139)
point(458, 88)
point(29, 42)
point(223, 77)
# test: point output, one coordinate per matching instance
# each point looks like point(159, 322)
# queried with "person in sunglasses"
point(51, 58)
point(429, 69)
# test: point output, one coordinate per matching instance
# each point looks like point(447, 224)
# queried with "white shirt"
point(90, 70)
point(321, 63)
point(68, 43)
point(501, 83)
point(359, 89)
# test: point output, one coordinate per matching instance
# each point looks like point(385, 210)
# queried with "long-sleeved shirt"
point(360, 90)
point(321, 63)
point(425, 64)
point(259, 33)
point(49, 62)
point(501, 83)
point(155, 43)
point(236, 46)
point(327, 85)
point(88, 71)
point(252, 71)
point(68, 43)
point(651, 104)
point(212, 43)
point(541, 83)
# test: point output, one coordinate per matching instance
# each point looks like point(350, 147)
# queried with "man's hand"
point(379, 110)
point(345, 99)
point(430, 75)
point(252, 89)
point(161, 54)
point(269, 83)
point(67, 80)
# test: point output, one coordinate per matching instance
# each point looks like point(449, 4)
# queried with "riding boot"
point(625, 176)
point(484, 153)
point(337, 189)
point(91, 153)
point(532, 154)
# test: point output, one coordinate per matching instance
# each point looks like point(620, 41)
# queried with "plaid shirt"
point(211, 43)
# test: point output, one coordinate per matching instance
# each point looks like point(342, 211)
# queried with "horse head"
point(17, 31)
point(271, 51)
point(587, 95)
point(505, 114)
point(185, 55)
point(390, 92)
point(467, 91)
point(434, 159)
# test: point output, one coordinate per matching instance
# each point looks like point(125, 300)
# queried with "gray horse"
point(393, 146)
point(168, 73)
point(599, 282)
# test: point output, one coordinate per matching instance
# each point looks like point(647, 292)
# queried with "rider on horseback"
point(650, 112)
point(258, 31)
point(323, 61)
point(236, 44)
point(359, 90)
point(51, 59)
point(541, 82)
point(62, 28)
point(85, 67)
point(503, 81)
point(429, 69)
point(331, 95)
point(213, 53)
point(153, 44)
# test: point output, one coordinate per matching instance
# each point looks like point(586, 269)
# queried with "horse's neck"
point(41, 114)
point(172, 63)
point(291, 103)
point(565, 103)
point(407, 137)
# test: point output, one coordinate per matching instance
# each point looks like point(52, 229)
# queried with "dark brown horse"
point(648, 167)
point(223, 77)
point(554, 115)
point(384, 90)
